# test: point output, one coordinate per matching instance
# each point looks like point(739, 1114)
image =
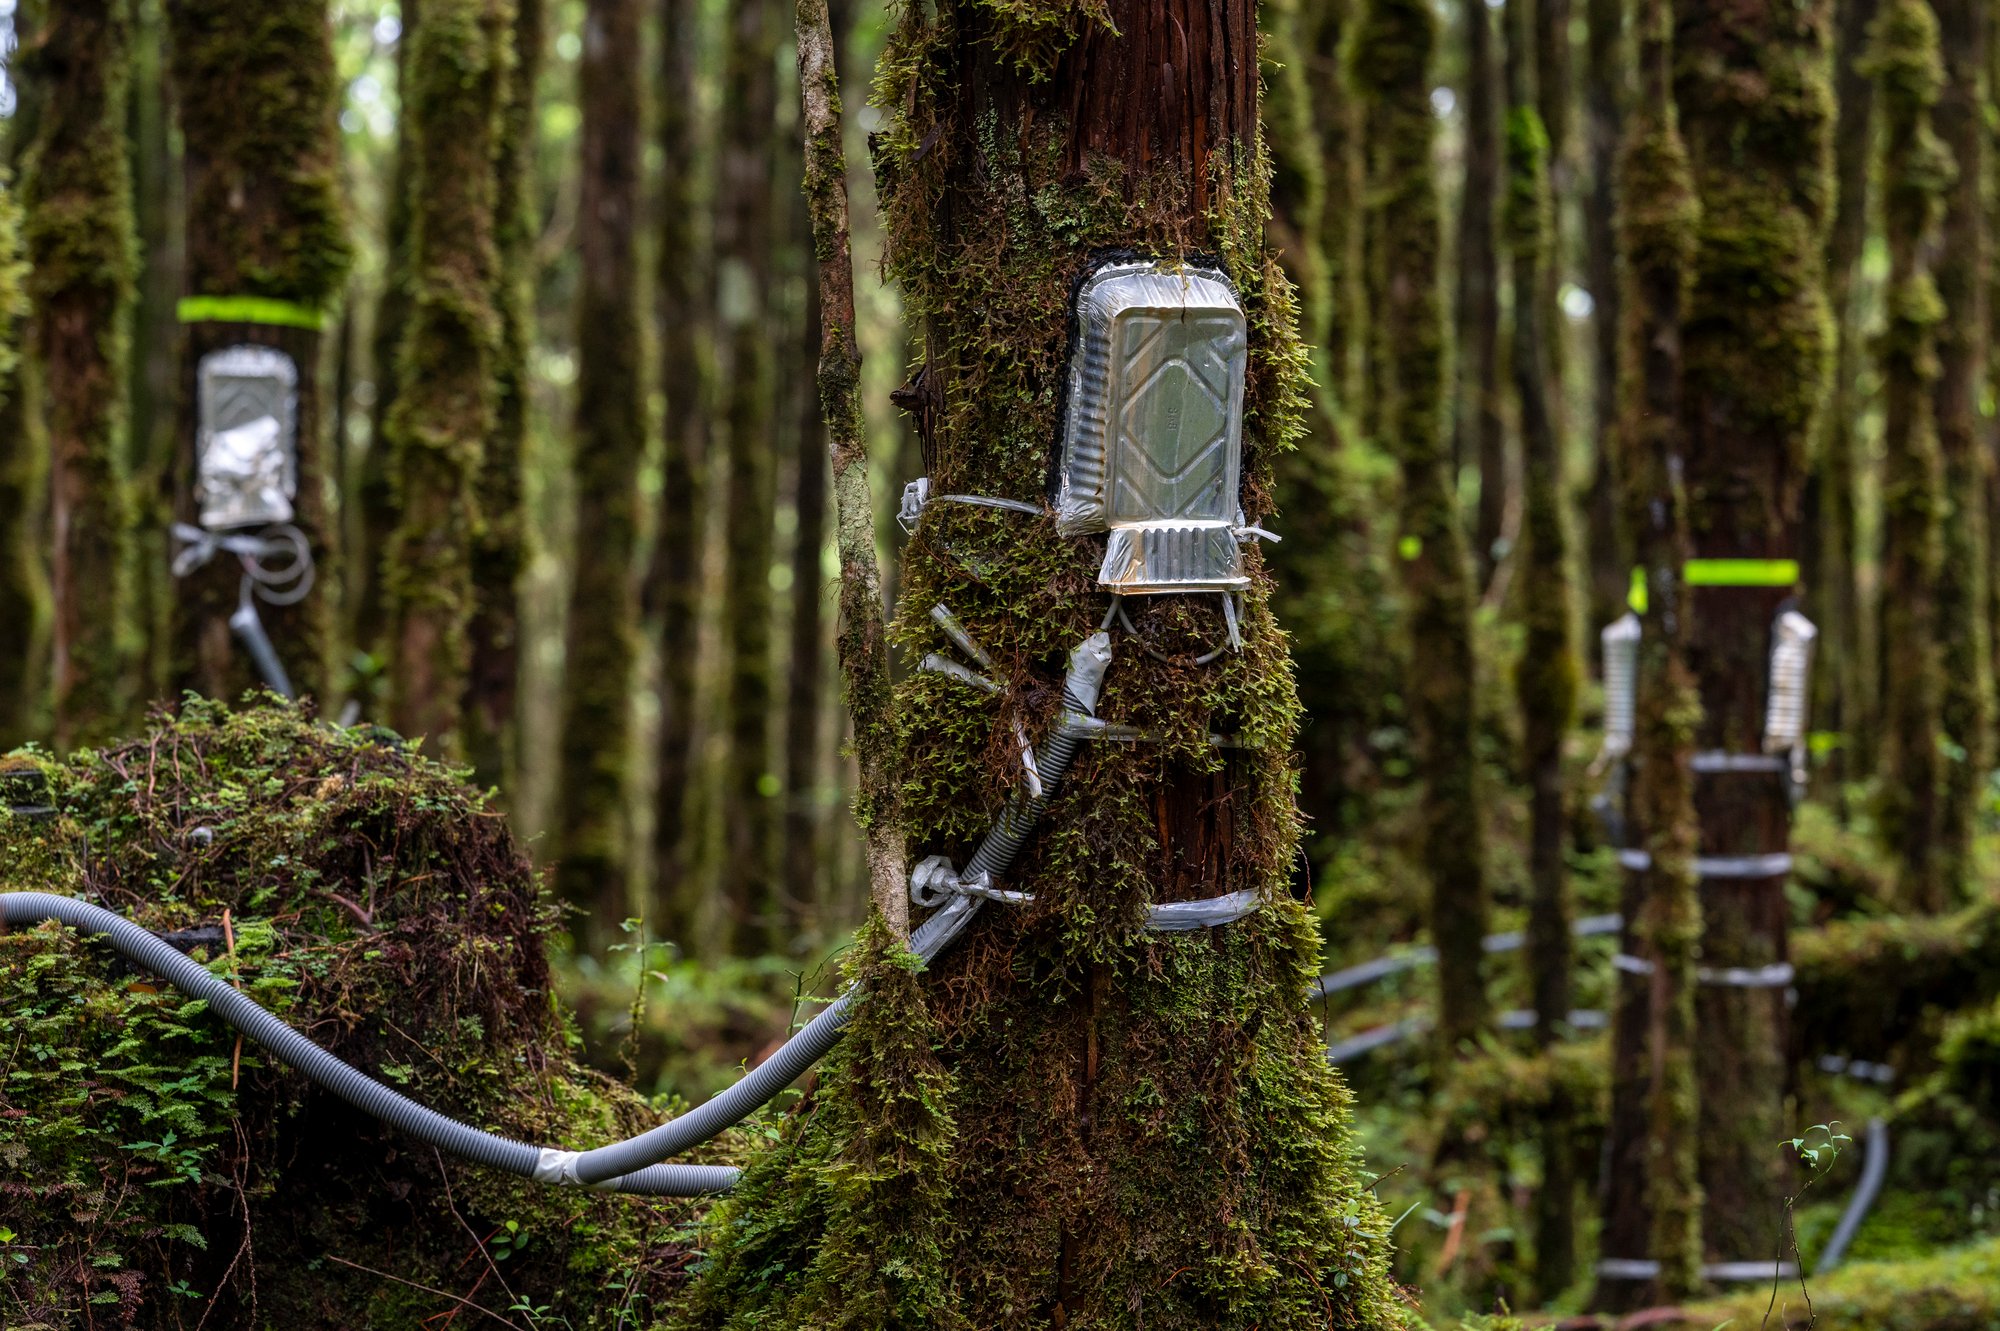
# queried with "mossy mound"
point(151, 1180)
point(1957, 1290)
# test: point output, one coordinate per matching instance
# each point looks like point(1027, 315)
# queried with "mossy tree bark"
point(1142, 1129)
point(1916, 170)
point(1391, 64)
point(1965, 29)
point(24, 587)
point(1652, 1188)
point(372, 526)
point(804, 683)
point(1545, 681)
point(1479, 432)
point(1751, 86)
point(77, 194)
point(1337, 119)
point(499, 551)
point(258, 94)
point(444, 410)
point(757, 915)
point(609, 445)
point(684, 318)
point(1605, 73)
point(1844, 693)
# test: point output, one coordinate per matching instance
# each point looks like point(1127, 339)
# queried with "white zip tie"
point(1034, 773)
point(1774, 864)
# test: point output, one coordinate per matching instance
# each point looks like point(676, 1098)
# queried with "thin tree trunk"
point(77, 196)
point(1652, 1185)
point(24, 460)
point(684, 321)
point(499, 552)
point(374, 525)
point(1605, 72)
point(1337, 117)
point(258, 94)
point(862, 641)
point(1479, 435)
point(156, 336)
point(1553, 95)
point(1546, 679)
point(957, 1084)
point(1760, 158)
point(807, 651)
point(610, 444)
point(1391, 68)
point(1965, 29)
point(1903, 57)
point(743, 239)
point(1845, 692)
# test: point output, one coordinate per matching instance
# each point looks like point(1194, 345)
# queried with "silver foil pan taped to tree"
point(1152, 448)
point(246, 448)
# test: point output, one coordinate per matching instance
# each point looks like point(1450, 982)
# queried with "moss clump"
point(375, 903)
point(1957, 1290)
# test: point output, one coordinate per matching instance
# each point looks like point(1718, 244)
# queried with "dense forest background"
point(1692, 288)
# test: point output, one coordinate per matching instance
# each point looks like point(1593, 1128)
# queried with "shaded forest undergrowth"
point(160, 1174)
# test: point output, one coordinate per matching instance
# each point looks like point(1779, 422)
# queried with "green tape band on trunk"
point(248, 310)
point(1741, 572)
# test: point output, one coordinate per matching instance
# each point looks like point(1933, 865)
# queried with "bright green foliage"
point(375, 903)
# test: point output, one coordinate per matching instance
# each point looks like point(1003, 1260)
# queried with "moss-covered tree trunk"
point(1391, 64)
point(805, 691)
point(757, 918)
point(1916, 170)
point(1553, 97)
point(1965, 711)
point(1651, 1184)
point(1336, 117)
point(683, 319)
point(1751, 86)
point(1140, 1129)
point(1479, 432)
point(159, 214)
point(24, 586)
point(258, 94)
point(609, 445)
point(77, 195)
point(1546, 679)
point(1604, 75)
point(499, 550)
point(372, 524)
point(444, 408)
point(1845, 692)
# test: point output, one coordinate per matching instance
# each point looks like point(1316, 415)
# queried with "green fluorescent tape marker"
point(1741, 572)
point(248, 310)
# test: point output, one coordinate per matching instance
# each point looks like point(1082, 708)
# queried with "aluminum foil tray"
point(247, 470)
point(1153, 441)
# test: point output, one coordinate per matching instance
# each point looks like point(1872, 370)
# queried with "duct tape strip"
point(957, 632)
point(1711, 761)
point(1643, 1268)
point(266, 310)
point(1773, 865)
point(1775, 976)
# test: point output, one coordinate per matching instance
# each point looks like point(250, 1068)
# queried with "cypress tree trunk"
point(159, 211)
point(610, 443)
point(1546, 679)
point(1391, 63)
point(683, 319)
point(743, 241)
point(1751, 85)
point(804, 691)
point(77, 193)
point(1604, 77)
point(258, 95)
point(1552, 99)
point(24, 591)
point(1140, 1128)
point(444, 410)
point(1337, 118)
point(498, 549)
point(1965, 29)
point(374, 481)
point(1479, 435)
point(1652, 1187)
point(1845, 692)
point(1903, 58)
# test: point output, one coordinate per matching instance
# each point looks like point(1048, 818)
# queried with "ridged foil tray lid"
point(1153, 436)
point(247, 445)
